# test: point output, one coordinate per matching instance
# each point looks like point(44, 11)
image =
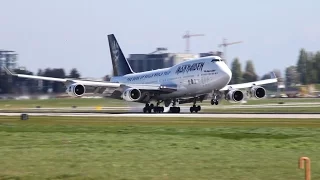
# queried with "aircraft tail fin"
point(120, 64)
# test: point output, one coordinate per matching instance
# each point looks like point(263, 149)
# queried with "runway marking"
point(164, 115)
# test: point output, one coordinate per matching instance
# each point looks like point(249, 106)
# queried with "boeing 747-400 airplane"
point(187, 82)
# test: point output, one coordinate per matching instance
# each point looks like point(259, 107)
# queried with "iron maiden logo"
point(190, 67)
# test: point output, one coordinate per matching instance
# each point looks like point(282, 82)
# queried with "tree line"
point(249, 74)
point(306, 71)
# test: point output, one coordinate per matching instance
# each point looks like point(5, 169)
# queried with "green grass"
point(171, 148)
point(65, 102)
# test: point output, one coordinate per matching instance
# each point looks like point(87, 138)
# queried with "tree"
point(74, 73)
point(5, 85)
point(57, 87)
point(22, 85)
point(311, 73)
point(236, 72)
point(249, 75)
point(317, 65)
point(302, 66)
point(292, 76)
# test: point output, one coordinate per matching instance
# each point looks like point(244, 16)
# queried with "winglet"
point(273, 75)
point(7, 71)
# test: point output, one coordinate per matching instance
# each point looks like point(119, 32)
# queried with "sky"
point(73, 33)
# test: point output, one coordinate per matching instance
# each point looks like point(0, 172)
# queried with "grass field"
point(65, 102)
point(168, 148)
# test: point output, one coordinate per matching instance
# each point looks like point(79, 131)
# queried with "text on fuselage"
point(190, 67)
point(157, 74)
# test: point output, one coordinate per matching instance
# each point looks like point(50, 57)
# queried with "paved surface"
point(186, 107)
point(164, 115)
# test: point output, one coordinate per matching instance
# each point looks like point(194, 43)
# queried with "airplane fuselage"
point(192, 77)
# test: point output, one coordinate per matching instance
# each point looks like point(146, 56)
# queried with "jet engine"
point(257, 92)
point(234, 95)
point(131, 94)
point(76, 90)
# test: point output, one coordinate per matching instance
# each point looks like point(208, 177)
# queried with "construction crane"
point(225, 44)
point(187, 36)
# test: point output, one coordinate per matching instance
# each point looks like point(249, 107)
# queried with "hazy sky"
point(73, 33)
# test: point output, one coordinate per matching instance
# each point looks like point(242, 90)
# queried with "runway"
point(184, 108)
point(166, 115)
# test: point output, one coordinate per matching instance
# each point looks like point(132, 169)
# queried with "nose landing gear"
point(214, 101)
point(216, 96)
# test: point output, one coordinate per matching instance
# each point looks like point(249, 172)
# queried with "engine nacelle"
point(131, 94)
point(235, 95)
point(76, 90)
point(257, 92)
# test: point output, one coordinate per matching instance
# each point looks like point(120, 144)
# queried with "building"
point(211, 53)
point(147, 62)
point(8, 59)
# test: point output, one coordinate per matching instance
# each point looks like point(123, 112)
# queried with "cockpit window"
point(215, 60)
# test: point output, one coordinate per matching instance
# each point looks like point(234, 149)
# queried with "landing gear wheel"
point(148, 108)
point(158, 109)
point(174, 109)
point(214, 102)
point(195, 109)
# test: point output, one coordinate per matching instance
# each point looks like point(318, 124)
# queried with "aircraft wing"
point(101, 84)
point(273, 79)
point(66, 81)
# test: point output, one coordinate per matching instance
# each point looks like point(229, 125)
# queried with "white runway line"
point(291, 116)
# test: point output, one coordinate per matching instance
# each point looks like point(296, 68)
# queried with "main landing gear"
point(158, 109)
point(195, 108)
point(150, 107)
point(174, 108)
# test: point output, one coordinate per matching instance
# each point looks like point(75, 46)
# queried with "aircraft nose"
point(227, 74)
